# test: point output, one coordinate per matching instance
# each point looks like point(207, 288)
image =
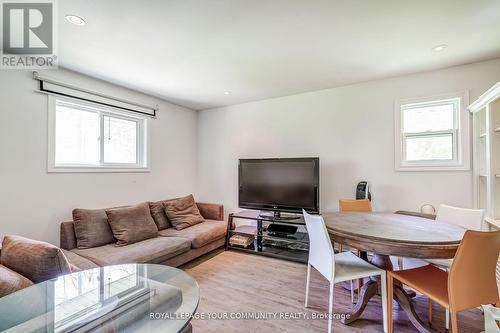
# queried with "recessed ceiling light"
point(76, 20)
point(227, 92)
point(439, 48)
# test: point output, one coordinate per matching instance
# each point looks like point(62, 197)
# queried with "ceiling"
point(191, 52)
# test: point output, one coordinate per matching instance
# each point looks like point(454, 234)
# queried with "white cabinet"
point(486, 150)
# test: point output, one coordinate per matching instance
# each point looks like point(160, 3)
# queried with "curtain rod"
point(40, 78)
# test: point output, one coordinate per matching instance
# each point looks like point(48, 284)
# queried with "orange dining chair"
point(470, 283)
point(363, 205)
point(470, 219)
point(349, 205)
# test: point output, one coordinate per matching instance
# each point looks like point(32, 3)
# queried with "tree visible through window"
point(430, 133)
point(430, 130)
point(87, 136)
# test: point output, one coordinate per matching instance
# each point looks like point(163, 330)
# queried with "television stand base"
point(278, 216)
point(266, 242)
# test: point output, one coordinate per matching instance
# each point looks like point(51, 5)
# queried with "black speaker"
point(363, 191)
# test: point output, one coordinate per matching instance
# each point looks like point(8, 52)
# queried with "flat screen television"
point(279, 184)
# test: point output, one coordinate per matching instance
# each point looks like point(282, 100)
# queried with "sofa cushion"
point(91, 228)
point(182, 212)
point(132, 224)
point(11, 281)
point(79, 262)
point(153, 250)
point(38, 261)
point(200, 234)
point(158, 214)
point(211, 211)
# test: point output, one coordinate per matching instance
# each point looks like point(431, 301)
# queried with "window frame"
point(460, 134)
point(124, 297)
point(142, 139)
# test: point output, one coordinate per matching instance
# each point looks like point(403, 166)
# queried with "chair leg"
point(447, 314)
point(390, 297)
point(360, 284)
point(400, 263)
point(454, 322)
point(352, 293)
point(429, 310)
point(341, 248)
point(383, 292)
point(330, 308)
point(447, 319)
point(307, 283)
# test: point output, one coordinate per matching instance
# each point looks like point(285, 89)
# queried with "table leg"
point(404, 301)
point(370, 289)
point(401, 296)
point(385, 263)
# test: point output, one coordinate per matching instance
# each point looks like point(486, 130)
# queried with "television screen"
point(279, 184)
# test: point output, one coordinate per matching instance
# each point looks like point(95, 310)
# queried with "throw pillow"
point(158, 214)
point(132, 224)
point(183, 212)
point(38, 261)
point(11, 281)
point(91, 228)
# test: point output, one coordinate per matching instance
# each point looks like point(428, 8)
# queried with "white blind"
point(54, 87)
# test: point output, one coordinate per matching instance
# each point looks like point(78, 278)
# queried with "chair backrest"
point(347, 205)
point(470, 219)
point(491, 316)
point(321, 255)
point(472, 279)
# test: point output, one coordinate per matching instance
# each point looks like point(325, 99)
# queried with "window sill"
point(96, 170)
point(414, 168)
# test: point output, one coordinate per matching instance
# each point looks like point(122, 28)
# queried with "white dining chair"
point(470, 219)
point(491, 316)
point(341, 267)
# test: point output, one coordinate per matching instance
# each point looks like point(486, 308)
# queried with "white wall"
point(34, 202)
point(350, 128)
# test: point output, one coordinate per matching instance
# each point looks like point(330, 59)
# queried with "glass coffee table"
point(122, 298)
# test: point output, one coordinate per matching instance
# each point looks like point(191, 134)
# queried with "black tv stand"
point(276, 216)
point(272, 243)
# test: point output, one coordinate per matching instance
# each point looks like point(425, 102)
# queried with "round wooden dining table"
point(389, 234)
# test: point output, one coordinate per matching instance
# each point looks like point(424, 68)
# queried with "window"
point(432, 134)
point(87, 137)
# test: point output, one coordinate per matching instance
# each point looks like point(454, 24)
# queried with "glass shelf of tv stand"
point(301, 237)
point(256, 216)
point(275, 252)
point(293, 247)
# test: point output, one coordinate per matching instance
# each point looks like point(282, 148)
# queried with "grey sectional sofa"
point(172, 247)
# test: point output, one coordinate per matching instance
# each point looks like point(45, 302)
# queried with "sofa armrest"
point(211, 211)
point(67, 236)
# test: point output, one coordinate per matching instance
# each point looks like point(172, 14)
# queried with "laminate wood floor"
point(232, 282)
